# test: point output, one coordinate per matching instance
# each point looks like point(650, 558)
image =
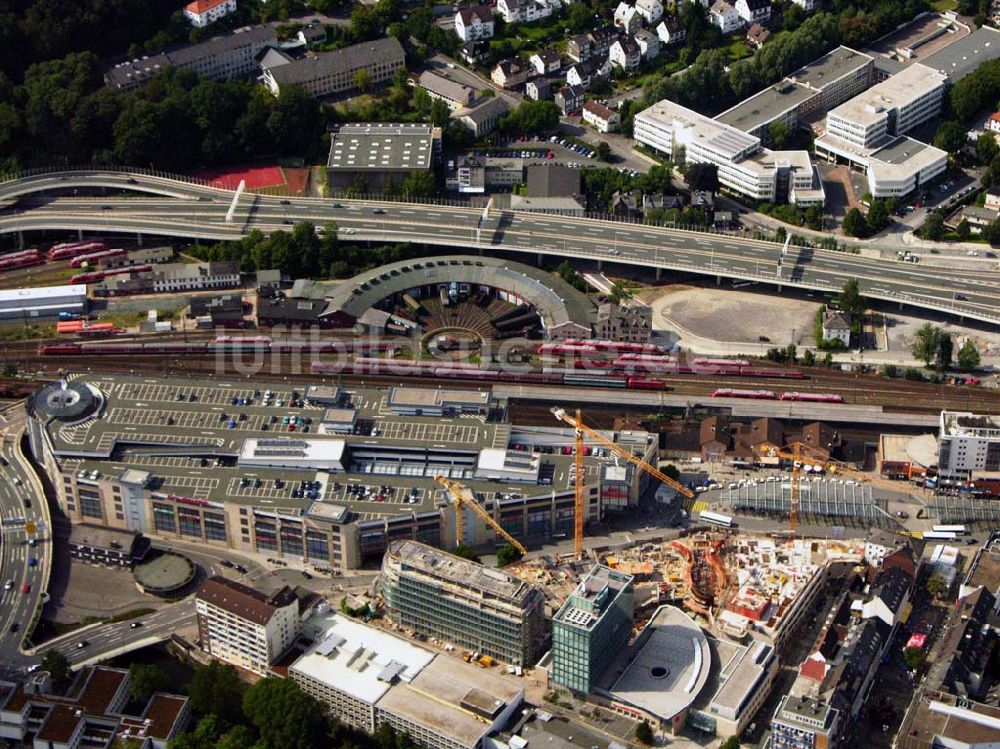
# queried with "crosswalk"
point(699, 506)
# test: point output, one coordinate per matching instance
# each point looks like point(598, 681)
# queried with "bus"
point(958, 530)
point(716, 519)
point(939, 536)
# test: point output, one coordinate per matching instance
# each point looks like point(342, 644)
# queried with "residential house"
point(578, 48)
point(510, 73)
point(625, 54)
point(627, 18)
point(538, 89)
point(754, 11)
point(625, 204)
point(201, 13)
point(661, 202)
point(546, 61)
point(992, 201)
point(311, 35)
point(757, 35)
point(650, 10)
point(474, 52)
point(602, 118)
point(724, 15)
point(483, 119)
point(649, 44)
point(569, 99)
point(581, 74)
point(715, 438)
point(703, 199)
point(993, 123)
point(474, 22)
point(455, 95)
point(807, 5)
point(671, 31)
point(837, 326)
point(524, 11)
point(601, 40)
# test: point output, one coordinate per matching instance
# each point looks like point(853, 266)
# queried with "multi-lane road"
point(198, 211)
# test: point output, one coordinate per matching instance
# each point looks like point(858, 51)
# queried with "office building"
point(804, 723)
point(590, 628)
point(369, 678)
point(967, 442)
point(336, 71)
point(463, 603)
point(230, 56)
point(744, 167)
point(372, 156)
point(243, 626)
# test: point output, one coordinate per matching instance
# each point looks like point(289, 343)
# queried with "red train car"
point(754, 394)
point(643, 383)
point(72, 249)
point(92, 256)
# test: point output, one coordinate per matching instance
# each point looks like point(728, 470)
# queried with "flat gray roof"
point(830, 67)
point(378, 147)
point(900, 150)
point(964, 55)
point(767, 105)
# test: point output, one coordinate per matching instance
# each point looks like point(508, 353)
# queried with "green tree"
point(890, 370)
point(237, 737)
point(532, 117)
point(963, 230)
point(808, 358)
point(672, 471)
point(440, 114)
point(933, 228)
point(144, 680)
point(465, 552)
point(991, 233)
point(217, 689)
point(850, 298)
point(643, 733)
point(508, 554)
point(603, 150)
point(945, 349)
point(914, 658)
point(925, 343)
point(285, 716)
point(968, 356)
point(878, 215)
point(828, 360)
point(951, 137)
point(781, 136)
point(702, 177)
point(936, 585)
point(733, 742)
point(363, 81)
point(986, 147)
point(855, 224)
point(57, 665)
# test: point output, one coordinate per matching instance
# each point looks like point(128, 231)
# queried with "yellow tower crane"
point(580, 430)
point(802, 454)
point(462, 498)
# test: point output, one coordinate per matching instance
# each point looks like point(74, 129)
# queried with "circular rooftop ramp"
point(555, 300)
point(165, 574)
point(66, 401)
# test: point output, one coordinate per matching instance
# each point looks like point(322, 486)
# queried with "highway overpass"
point(192, 209)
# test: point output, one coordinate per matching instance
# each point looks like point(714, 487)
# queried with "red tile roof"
point(203, 6)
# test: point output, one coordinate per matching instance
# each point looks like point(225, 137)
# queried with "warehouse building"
point(463, 603)
point(42, 302)
point(368, 157)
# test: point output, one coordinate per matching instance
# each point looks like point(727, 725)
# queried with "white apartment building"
point(602, 118)
point(724, 15)
point(194, 276)
point(744, 167)
point(627, 18)
point(369, 677)
point(650, 10)
point(968, 442)
point(201, 13)
point(474, 23)
point(524, 11)
point(242, 626)
point(893, 107)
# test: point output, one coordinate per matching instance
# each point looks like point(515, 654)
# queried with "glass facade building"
point(591, 628)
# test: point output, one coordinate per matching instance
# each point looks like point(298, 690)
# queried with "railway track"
point(866, 390)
